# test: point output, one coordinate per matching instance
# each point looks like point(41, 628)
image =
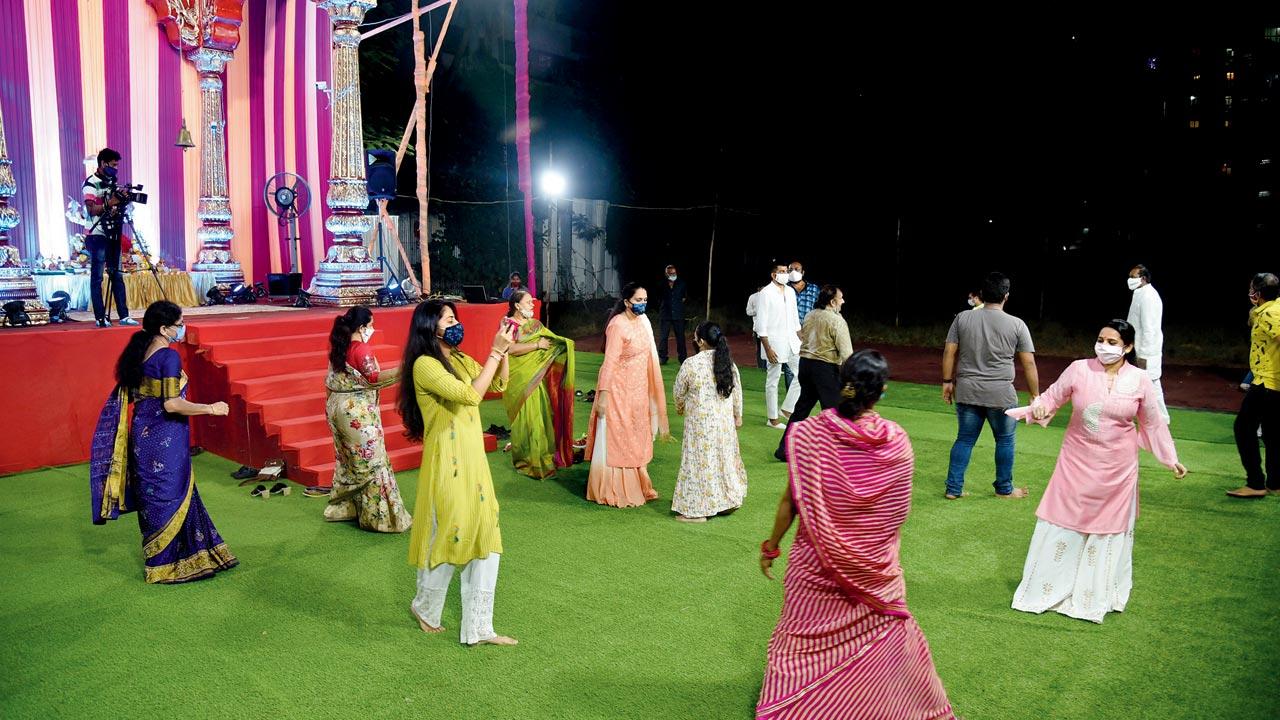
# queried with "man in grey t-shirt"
point(977, 375)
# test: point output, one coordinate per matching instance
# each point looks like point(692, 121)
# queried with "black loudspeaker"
point(380, 174)
point(284, 283)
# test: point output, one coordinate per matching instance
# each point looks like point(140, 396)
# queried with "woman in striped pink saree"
point(846, 646)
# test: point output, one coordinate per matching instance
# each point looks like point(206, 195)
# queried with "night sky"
point(992, 145)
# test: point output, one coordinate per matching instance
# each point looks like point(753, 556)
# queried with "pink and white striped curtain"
point(80, 75)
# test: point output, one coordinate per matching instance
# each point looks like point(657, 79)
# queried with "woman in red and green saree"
point(145, 464)
point(539, 396)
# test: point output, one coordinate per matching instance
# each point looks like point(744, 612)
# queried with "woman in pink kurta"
point(630, 407)
point(1080, 562)
point(846, 646)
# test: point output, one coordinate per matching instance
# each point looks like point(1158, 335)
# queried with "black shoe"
point(196, 450)
point(280, 489)
point(260, 491)
point(103, 323)
point(244, 473)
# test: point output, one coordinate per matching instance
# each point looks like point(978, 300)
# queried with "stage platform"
point(268, 362)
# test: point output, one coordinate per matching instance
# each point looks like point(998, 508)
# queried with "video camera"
point(125, 193)
point(128, 193)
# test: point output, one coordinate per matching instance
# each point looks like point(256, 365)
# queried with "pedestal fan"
point(288, 196)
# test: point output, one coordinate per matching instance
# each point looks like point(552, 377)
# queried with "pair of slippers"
point(587, 397)
point(277, 489)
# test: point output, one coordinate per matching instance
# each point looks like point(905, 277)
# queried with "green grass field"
point(626, 613)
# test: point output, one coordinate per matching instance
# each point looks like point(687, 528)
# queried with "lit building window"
point(1272, 34)
point(1226, 169)
point(1196, 76)
point(1227, 101)
point(1194, 124)
point(1226, 123)
point(1264, 193)
point(1231, 75)
point(1195, 100)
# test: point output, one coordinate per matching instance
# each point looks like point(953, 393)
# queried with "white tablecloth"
point(77, 286)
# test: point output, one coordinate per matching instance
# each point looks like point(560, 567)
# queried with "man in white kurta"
point(777, 324)
point(1146, 315)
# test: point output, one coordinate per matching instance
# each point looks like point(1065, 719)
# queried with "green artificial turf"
point(627, 613)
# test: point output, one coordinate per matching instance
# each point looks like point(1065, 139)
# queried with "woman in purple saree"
point(145, 465)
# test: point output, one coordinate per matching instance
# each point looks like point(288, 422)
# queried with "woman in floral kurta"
point(364, 484)
point(708, 393)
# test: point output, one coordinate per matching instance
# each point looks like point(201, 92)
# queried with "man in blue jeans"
point(977, 376)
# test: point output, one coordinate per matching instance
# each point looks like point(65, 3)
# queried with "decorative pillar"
point(208, 33)
point(15, 277)
point(347, 276)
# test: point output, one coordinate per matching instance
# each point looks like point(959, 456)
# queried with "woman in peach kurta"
point(630, 407)
point(1080, 562)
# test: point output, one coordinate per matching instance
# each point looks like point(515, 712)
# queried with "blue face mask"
point(453, 335)
point(109, 171)
point(182, 334)
point(639, 308)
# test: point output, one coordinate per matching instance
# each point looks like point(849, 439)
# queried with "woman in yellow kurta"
point(456, 505)
point(630, 408)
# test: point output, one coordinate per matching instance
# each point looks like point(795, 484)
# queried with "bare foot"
point(949, 496)
point(426, 627)
point(683, 518)
point(497, 640)
point(1017, 493)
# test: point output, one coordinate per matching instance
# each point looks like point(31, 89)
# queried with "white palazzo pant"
point(479, 579)
point(1079, 575)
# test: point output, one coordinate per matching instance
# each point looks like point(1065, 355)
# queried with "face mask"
point(781, 278)
point(672, 278)
point(795, 275)
point(366, 334)
point(526, 313)
point(1135, 283)
point(453, 335)
point(180, 335)
point(1108, 354)
point(639, 308)
point(972, 302)
point(109, 171)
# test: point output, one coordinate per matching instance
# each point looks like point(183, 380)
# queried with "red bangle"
point(771, 554)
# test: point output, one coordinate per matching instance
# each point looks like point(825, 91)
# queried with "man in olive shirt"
point(977, 375)
point(824, 346)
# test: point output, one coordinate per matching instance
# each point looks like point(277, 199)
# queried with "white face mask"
point(796, 275)
point(780, 278)
point(526, 313)
point(1135, 283)
point(1108, 354)
point(972, 302)
point(672, 278)
point(366, 334)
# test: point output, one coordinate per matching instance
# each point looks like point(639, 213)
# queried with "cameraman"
point(103, 243)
